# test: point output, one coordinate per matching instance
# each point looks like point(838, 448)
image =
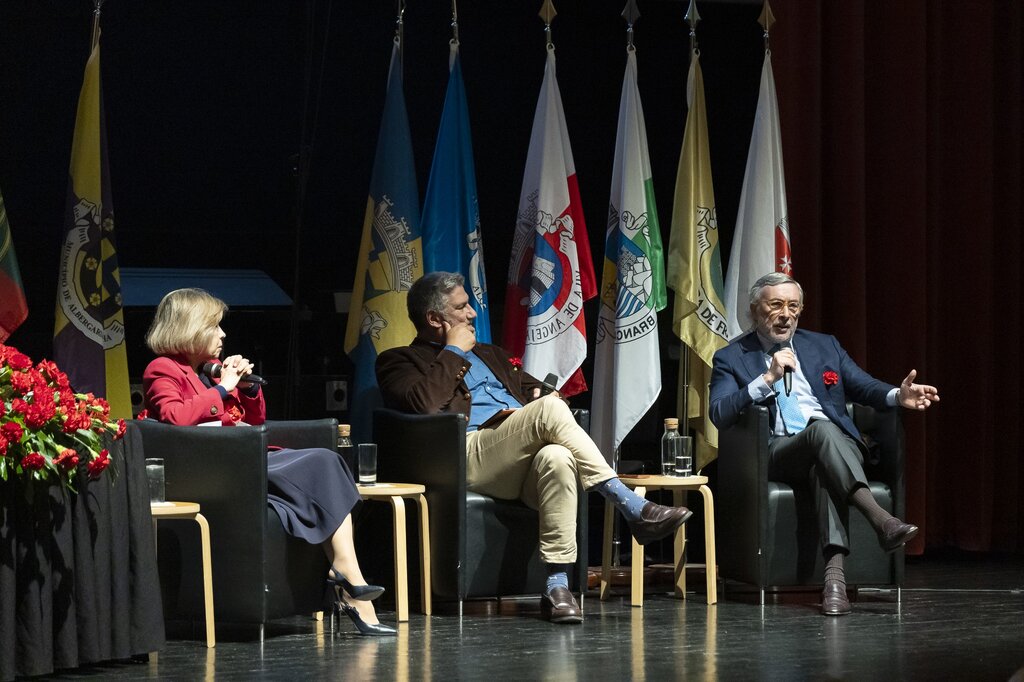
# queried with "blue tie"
point(792, 418)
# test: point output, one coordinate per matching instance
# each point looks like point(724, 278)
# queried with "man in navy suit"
point(812, 438)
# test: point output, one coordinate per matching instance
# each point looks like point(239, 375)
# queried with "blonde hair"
point(184, 322)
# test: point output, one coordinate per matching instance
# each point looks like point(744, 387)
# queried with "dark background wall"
point(902, 138)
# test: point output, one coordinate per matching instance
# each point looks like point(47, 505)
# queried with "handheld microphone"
point(550, 384)
point(787, 375)
point(212, 370)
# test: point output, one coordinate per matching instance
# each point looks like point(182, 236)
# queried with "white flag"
point(627, 367)
point(760, 243)
point(550, 273)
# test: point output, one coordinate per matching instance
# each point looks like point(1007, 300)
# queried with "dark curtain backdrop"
point(902, 140)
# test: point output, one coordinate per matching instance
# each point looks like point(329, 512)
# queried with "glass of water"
point(367, 463)
point(155, 476)
point(684, 457)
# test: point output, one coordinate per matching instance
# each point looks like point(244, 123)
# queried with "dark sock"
point(864, 501)
point(624, 499)
point(834, 567)
point(558, 576)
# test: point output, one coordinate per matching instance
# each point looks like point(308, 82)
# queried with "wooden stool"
point(190, 510)
point(678, 485)
point(396, 493)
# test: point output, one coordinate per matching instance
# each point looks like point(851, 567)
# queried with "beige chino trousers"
point(537, 455)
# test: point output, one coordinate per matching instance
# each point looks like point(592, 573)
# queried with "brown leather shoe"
point(834, 601)
point(658, 521)
point(895, 534)
point(559, 606)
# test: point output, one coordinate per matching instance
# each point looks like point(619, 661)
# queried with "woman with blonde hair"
point(312, 490)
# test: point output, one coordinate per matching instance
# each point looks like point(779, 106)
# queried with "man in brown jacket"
point(521, 443)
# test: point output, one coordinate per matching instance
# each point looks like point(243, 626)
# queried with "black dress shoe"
point(834, 601)
point(658, 521)
point(895, 534)
point(559, 606)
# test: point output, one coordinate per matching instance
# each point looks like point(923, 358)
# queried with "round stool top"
point(173, 508)
point(659, 481)
point(391, 489)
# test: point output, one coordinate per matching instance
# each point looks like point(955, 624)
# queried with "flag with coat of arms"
point(451, 216)
point(390, 255)
point(13, 308)
point(695, 271)
point(550, 273)
point(88, 334)
point(627, 364)
point(760, 242)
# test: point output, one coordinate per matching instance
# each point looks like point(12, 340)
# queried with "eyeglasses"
point(777, 304)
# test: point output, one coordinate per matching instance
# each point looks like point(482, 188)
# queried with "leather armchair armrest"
point(311, 433)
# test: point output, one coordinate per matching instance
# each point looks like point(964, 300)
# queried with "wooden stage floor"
point(961, 617)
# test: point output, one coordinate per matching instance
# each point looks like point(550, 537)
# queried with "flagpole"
point(97, 8)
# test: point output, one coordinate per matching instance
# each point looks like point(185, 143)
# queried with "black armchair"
point(479, 546)
point(259, 572)
point(768, 536)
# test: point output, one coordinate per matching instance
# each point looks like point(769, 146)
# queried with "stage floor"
point(961, 617)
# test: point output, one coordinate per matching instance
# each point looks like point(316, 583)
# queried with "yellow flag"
point(88, 336)
point(695, 269)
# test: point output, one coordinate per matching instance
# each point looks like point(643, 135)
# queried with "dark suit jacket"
point(175, 395)
point(741, 361)
point(423, 378)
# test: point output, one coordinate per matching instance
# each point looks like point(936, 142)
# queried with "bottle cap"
point(671, 423)
point(344, 430)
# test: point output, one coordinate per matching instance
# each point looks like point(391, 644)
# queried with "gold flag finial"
point(766, 20)
point(97, 7)
point(547, 13)
point(630, 13)
point(692, 17)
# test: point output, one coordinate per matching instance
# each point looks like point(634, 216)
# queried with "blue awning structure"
point(144, 287)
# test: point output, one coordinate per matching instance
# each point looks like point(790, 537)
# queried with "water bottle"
point(346, 448)
point(671, 447)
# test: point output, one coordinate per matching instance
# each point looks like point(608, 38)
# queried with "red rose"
point(68, 459)
point(122, 427)
point(21, 382)
point(12, 431)
point(143, 415)
point(19, 361)
point(516, 363)
point(830, 378)
point(33, 461)
point(3, 445)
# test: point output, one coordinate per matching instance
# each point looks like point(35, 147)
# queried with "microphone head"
point(212, 369)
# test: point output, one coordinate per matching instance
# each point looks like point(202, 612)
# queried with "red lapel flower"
point(516, 363)
point(830, 378)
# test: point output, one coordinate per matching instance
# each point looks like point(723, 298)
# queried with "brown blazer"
point(423, 378)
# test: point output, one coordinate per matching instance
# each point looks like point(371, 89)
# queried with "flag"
point(550, 274)
point(390, 255)
point(760, 243)
point(451, 218)
point(88, 336)
point(695, 270)
point(627, 365)
point(13, 309)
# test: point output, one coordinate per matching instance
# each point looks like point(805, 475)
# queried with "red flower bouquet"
point(830, 378)
point(46, 429)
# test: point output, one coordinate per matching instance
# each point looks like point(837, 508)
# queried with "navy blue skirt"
point(312, 490)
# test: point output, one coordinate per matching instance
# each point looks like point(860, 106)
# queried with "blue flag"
point(451, 217)
point(390, 256)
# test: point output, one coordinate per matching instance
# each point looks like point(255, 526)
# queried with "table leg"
point(204, 535)
point(679, 548)
point(637, 569)
point(606, 551)
point(710, 560)
point(401, 565)
point(425, 586)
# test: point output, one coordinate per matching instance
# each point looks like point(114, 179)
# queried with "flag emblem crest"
point(90, 304)
point(395, 264)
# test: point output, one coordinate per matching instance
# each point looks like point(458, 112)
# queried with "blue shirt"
point(489, 395)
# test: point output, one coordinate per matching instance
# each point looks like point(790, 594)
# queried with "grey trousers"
point(826, 461)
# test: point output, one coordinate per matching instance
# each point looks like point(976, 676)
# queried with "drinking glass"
point(367, 463)
point(155, 476)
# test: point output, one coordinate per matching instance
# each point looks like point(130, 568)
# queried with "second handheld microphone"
point(212, 370)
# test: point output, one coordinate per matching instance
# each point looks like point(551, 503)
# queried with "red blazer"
point(175, 395)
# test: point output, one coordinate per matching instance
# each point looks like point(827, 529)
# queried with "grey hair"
point(430, 294)
point(772, 279)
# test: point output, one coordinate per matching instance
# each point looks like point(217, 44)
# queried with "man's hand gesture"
point(917, 396)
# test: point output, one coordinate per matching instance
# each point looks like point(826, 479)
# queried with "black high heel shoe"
point(360, 592)
point(368, 629)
